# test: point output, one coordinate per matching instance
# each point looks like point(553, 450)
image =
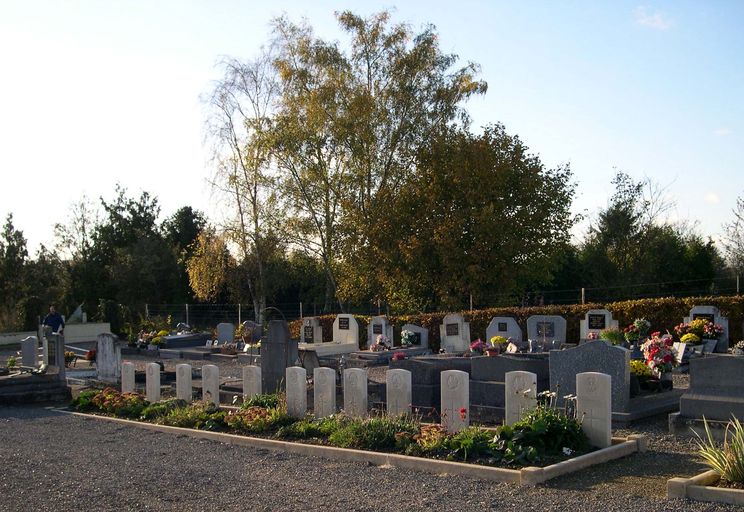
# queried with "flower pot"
point(493, 352)
point(709, 345)
point(666, 381)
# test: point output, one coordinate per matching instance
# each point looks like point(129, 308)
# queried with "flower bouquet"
point(478, 347)
point(407, 338)
point(381, 344)
point(658, 353)
point(496, 345)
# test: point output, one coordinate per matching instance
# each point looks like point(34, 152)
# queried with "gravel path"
point(59, 462)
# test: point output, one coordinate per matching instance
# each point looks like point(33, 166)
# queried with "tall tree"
point(733, 239)
point(350, 123)
point(13, 261)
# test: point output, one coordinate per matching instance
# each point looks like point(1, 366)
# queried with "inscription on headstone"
point(343, 324)
point(308, 336)
point(546, 329)
point(452, 329)
point(377, 329)
point(502, 327)
point(455, 397)
point(597, 321)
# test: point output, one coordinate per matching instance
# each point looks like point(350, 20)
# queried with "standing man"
point(54, 320)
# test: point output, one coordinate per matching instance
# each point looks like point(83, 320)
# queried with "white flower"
point(567, 451)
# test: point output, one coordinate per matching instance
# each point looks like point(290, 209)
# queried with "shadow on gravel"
point(29, 412)
point(641, 474)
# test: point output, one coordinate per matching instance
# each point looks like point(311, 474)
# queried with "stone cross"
point(183, 382)
point(296, 377)
point(251, 381)
point(324, 392)
point(594, 407)
point(455, 400)
point(211, 383)
point(355, 392)
point(127, 377)
point(152, 377)
point(520, 395)
point(399, 396)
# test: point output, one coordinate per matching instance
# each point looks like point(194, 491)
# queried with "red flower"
point(668, 358)
point(463, 413)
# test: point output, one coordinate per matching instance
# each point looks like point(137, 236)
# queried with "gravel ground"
point(61, 462)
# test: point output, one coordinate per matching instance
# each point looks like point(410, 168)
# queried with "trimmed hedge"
point(663, 314)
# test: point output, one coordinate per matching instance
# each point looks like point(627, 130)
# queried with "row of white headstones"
point(593, 394)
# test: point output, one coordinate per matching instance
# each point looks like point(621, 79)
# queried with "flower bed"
point(542, 438)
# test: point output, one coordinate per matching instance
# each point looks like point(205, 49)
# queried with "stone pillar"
point(183, 382)
point(275, 356)
point(399, 395)
point(152, 376)
point(455, 400)
point(324, 392)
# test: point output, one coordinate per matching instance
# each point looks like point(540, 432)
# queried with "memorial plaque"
point(308, 334)
point(597, 321)
point(343, 324)
point(417, 338)
point(452, 329)
point(376, 328)
point(503, 327)
point(705, 316)
point(546, 329)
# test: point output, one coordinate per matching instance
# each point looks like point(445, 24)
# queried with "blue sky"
point(96, 93)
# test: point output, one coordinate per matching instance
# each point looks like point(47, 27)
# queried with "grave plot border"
point(621, 447)
point(701, 488)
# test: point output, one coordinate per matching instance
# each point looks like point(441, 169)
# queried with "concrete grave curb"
point(621, 447)
point(700, 488)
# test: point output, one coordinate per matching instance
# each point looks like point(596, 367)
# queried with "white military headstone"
point(29, 351)
point(594, 407)
point(211, 383)
point(455, 400)
point(324, 392)
point(454, 334)
point(399, 395)
point(296, 377)
point(379, 325)
point(127, 377)
point(520, 393)
point(355, 392)
point(595, 321)
point(183, 382)
point(225, 333)
point(152, 382)
point(251, 381)
point(108, 358)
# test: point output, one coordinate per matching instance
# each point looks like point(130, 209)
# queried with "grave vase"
point(666, 381)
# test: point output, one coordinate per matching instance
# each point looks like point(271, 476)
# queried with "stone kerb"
point(296, 391)
point(324, 392)
point(399, 392)
point(183, 382)
point(355, 392)
point(593, 407)
point(152, 382)
point(251, 381)
point(520, 395)
point(127, 377)
point(455, 400)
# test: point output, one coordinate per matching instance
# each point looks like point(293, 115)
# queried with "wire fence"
point(203, 315)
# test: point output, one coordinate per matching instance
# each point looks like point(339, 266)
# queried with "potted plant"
point(738, 349)
point(496, 345)
point(640, 374)
point(613, 335)
point(12, 362)
point(659, 356)
point(477, 347)
point(399, 356)
point(155, 343)
point(704, 329)
point(407, 338)
point(70, 358)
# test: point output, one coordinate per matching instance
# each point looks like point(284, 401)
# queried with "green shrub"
point(269, 401)
point(728, 459)
point(154, 411)
point(431, 439)
point(377, 433)
point(84, 401)
point(202, 416)
point(473, 442)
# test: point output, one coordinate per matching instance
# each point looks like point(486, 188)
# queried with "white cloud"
point(656, 20)
point(722, 132)
point(712, 198)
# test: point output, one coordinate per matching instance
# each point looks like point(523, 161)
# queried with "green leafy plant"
point(12, 362)
point(111, 401)
point(156, 410)
point(471, 442)
point(728, 459)
point(200, 415)
point(613, 335)
point(267, 401)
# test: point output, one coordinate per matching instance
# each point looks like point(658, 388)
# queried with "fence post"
point(583, 296)
point(240, 317)
point(147, 311)
point(737, 285)
point(471, 302)
point(300, 311)
point(187, 315)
